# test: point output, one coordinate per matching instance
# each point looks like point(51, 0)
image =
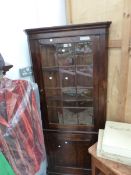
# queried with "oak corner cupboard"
point(70, 67)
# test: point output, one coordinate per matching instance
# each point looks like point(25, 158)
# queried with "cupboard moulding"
point(66, 28)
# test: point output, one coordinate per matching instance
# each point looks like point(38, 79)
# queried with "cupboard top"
point(86, 26)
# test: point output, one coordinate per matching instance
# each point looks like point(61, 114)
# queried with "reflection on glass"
point(65, 54)
point(86, 116)
point(69, 93)
point(84, 93)
point(83, 53)
point(78, 116)
point(83, 47)
point(53, 97)
point(51, 78)
point(68, 76)
point(69, 117)
point(68, 79)
point(84, 76)
point(48, 56)
point(75, 116)
point(54, 114)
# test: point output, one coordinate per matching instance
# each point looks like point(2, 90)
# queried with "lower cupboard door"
point(68, 153)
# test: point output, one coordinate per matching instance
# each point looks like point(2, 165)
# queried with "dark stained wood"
point(63, 31)
point(87, 26)
point(63, 103)
point(74, 146)
point(103, 69)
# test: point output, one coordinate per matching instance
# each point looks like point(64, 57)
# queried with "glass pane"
point(85, 93)
point(48, 56)
point(83, 53)
point(69, 103)
point(70, 116)
point(51, 78)
point(55, 115)
point(84, 76)
point(78, 116)
point(68, 80)
point(69, 93)
point(65, 54)
point(53, 97)
point(68, 76)
point(84, 103)
point(86, 116)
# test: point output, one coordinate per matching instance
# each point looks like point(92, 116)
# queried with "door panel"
point(69, 150)
point(71, 76)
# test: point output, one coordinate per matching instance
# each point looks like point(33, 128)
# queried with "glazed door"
point(70, 76)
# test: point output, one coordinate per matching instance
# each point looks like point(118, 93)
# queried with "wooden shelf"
point(59, 107)
point(69, 100)
point(58, 67)
point(64, 87)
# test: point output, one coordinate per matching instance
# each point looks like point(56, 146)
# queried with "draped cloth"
point(21, 135)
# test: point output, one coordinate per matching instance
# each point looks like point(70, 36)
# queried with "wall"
point(17, 15)
point(119, 64)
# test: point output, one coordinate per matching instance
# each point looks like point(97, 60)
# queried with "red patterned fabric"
point(21, 136)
